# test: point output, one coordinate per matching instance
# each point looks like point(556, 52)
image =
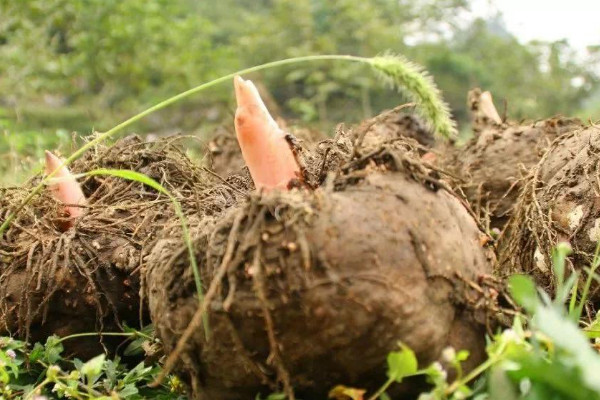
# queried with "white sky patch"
point(547, 20)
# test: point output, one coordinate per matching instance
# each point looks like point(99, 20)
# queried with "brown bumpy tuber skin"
point(559, 203)
point(490, 168)
point(317, 287)
point(86, 279)
point(396, 123)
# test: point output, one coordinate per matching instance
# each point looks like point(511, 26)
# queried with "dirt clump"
point(490, 168)
point(224, 155)
point(559, 203)
point(86, 279)
point(310, 288)
point(396, 123)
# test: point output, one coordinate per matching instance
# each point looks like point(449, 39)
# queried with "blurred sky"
point(575, 20)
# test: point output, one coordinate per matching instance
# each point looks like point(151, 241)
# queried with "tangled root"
point(87, 278)
point(559, 203)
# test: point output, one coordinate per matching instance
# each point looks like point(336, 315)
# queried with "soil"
point(314, 287)
point(397, 123)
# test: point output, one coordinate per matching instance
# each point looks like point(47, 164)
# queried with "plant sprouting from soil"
point(401, 73)
point(43, 371)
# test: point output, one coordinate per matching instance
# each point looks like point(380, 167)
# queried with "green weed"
point(41, 372)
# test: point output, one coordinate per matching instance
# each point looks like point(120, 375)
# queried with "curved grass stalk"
point(401, 73)
point(91, 334)
point(417, 85)
point(146, 180)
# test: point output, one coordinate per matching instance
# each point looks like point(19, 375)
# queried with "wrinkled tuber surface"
point(315, 288)
point(490, 167)
point(559, 203)
point(86, 278)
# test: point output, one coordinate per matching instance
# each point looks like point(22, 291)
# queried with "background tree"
point(79, 65)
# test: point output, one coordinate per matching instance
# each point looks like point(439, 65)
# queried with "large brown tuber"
point(315, 288)
point(559, 203)
point(490, 167)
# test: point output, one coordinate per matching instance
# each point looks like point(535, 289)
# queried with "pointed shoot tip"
point(265, 149)
point(67, 190)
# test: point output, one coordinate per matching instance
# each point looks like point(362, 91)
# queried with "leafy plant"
point(42, 372)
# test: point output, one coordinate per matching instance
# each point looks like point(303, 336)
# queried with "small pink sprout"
point(266, 151)
point(65, 187)
point(487, 107)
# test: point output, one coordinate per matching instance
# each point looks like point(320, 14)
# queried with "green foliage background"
point(79, 65)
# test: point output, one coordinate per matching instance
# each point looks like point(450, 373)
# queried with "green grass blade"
point(146, 180)
point(588, 282)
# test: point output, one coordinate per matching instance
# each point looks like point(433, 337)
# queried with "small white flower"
point(449, 354)
point(11, 354)
point(511, 366)
point(509, 335)
point(525, 386)
point(438, 366)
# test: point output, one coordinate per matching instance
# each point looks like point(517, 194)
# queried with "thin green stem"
point(139, 177)
point(86, 334)
point(481, 368)
point(381, 390)
point(188, 242)
point(588, 282)
point(37, 388)
point(573, 300)
point(163, 104)
point(389, 382)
